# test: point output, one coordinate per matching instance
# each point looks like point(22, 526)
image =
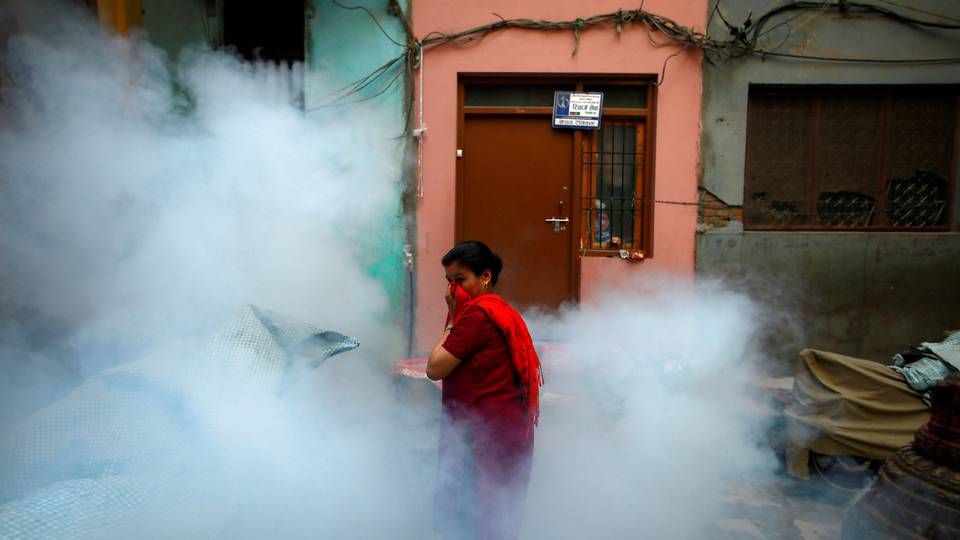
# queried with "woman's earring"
point(486, 284)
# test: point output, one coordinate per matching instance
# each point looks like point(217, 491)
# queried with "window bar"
point(615, 192)
point(623, 179)
point(584, 193)
point(597, 157)
point(612, 193)
point(814, 144)
point(883, 165)
point(632, 170)
point(591, 189)
point(617, 162)
point(601, 183)
point(594, 158)
point(595, 184)
point(610, 185)
point(627, 207)
point(640, 177)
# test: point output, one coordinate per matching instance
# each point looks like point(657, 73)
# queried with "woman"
point(491, 378)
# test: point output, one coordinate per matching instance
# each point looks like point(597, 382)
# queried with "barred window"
point(613, 169)
point(615, 210)
point(850, 158)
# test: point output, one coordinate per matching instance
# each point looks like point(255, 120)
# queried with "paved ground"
point(782, 508)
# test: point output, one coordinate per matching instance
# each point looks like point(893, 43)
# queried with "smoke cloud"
point(145, 203)
point(647, 425)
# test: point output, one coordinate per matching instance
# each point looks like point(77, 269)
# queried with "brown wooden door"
point(517, 171)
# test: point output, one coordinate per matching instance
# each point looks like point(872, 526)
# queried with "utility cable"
point(372, 17)
point(949, 60)
point(918, 10)
point(744, 41)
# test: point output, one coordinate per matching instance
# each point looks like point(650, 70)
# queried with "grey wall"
point(864, 294)
point(726, 84)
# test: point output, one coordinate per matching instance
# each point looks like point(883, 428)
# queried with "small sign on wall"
point(572, 110)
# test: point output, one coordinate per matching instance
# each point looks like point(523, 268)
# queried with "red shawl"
point(524, 356)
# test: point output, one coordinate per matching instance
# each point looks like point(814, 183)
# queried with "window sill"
point(630, 255)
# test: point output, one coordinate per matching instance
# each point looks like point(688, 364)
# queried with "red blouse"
point(484, 384)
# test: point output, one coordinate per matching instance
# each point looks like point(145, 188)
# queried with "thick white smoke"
point(142, 205)
point(646, 423)
point(138, 202)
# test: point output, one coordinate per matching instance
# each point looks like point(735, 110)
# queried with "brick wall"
point(714, 213)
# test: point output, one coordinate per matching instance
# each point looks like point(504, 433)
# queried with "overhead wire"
point(919, 10)
point(743, 42)
point(845, 7)
point(372, 17)
point(825, 5)
point(919, 61)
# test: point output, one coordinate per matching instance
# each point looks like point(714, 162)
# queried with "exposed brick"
point(715, 213)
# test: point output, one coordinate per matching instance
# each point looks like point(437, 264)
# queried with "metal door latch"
point(559, 224)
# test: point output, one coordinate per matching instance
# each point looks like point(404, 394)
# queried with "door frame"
point(578, 80)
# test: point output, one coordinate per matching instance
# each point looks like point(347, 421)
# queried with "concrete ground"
point(783, 508)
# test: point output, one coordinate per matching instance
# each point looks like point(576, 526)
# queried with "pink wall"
point(602, 50)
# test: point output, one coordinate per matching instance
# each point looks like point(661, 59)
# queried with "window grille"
point(613, 167)
point(918, 201)
point(850, 158)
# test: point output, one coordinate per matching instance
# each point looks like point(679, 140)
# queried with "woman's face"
point(467, 280)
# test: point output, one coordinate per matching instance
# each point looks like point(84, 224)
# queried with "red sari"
point(486, 440)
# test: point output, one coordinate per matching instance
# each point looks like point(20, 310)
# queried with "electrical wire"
point(713, 12)
point(372, 17)
point(825, 5)
point(680, 203)
point(743, 42)
point(949, 60)
point(843, 7)
point(918, 10)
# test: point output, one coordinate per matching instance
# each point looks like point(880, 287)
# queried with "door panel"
point(516, 172)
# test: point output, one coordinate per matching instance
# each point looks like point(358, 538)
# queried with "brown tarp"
point(845, 406)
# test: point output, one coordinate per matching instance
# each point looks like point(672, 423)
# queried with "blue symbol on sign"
point(587, 109)
point(562, 103)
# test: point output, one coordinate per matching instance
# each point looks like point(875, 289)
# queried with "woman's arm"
point(441, 362)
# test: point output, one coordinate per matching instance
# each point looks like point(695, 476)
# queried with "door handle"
point(559, 224)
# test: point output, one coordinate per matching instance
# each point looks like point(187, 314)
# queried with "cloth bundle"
point(929, 363)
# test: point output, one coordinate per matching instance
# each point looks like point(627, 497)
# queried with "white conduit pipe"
point(419, 132)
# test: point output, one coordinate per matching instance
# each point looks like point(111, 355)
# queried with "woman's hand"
point(451, 300)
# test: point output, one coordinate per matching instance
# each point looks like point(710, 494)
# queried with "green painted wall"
point(344, 46)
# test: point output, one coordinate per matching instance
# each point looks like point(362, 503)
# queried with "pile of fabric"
point(929, 363)
point(846, 406)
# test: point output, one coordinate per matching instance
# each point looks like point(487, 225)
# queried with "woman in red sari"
point(491, 378)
